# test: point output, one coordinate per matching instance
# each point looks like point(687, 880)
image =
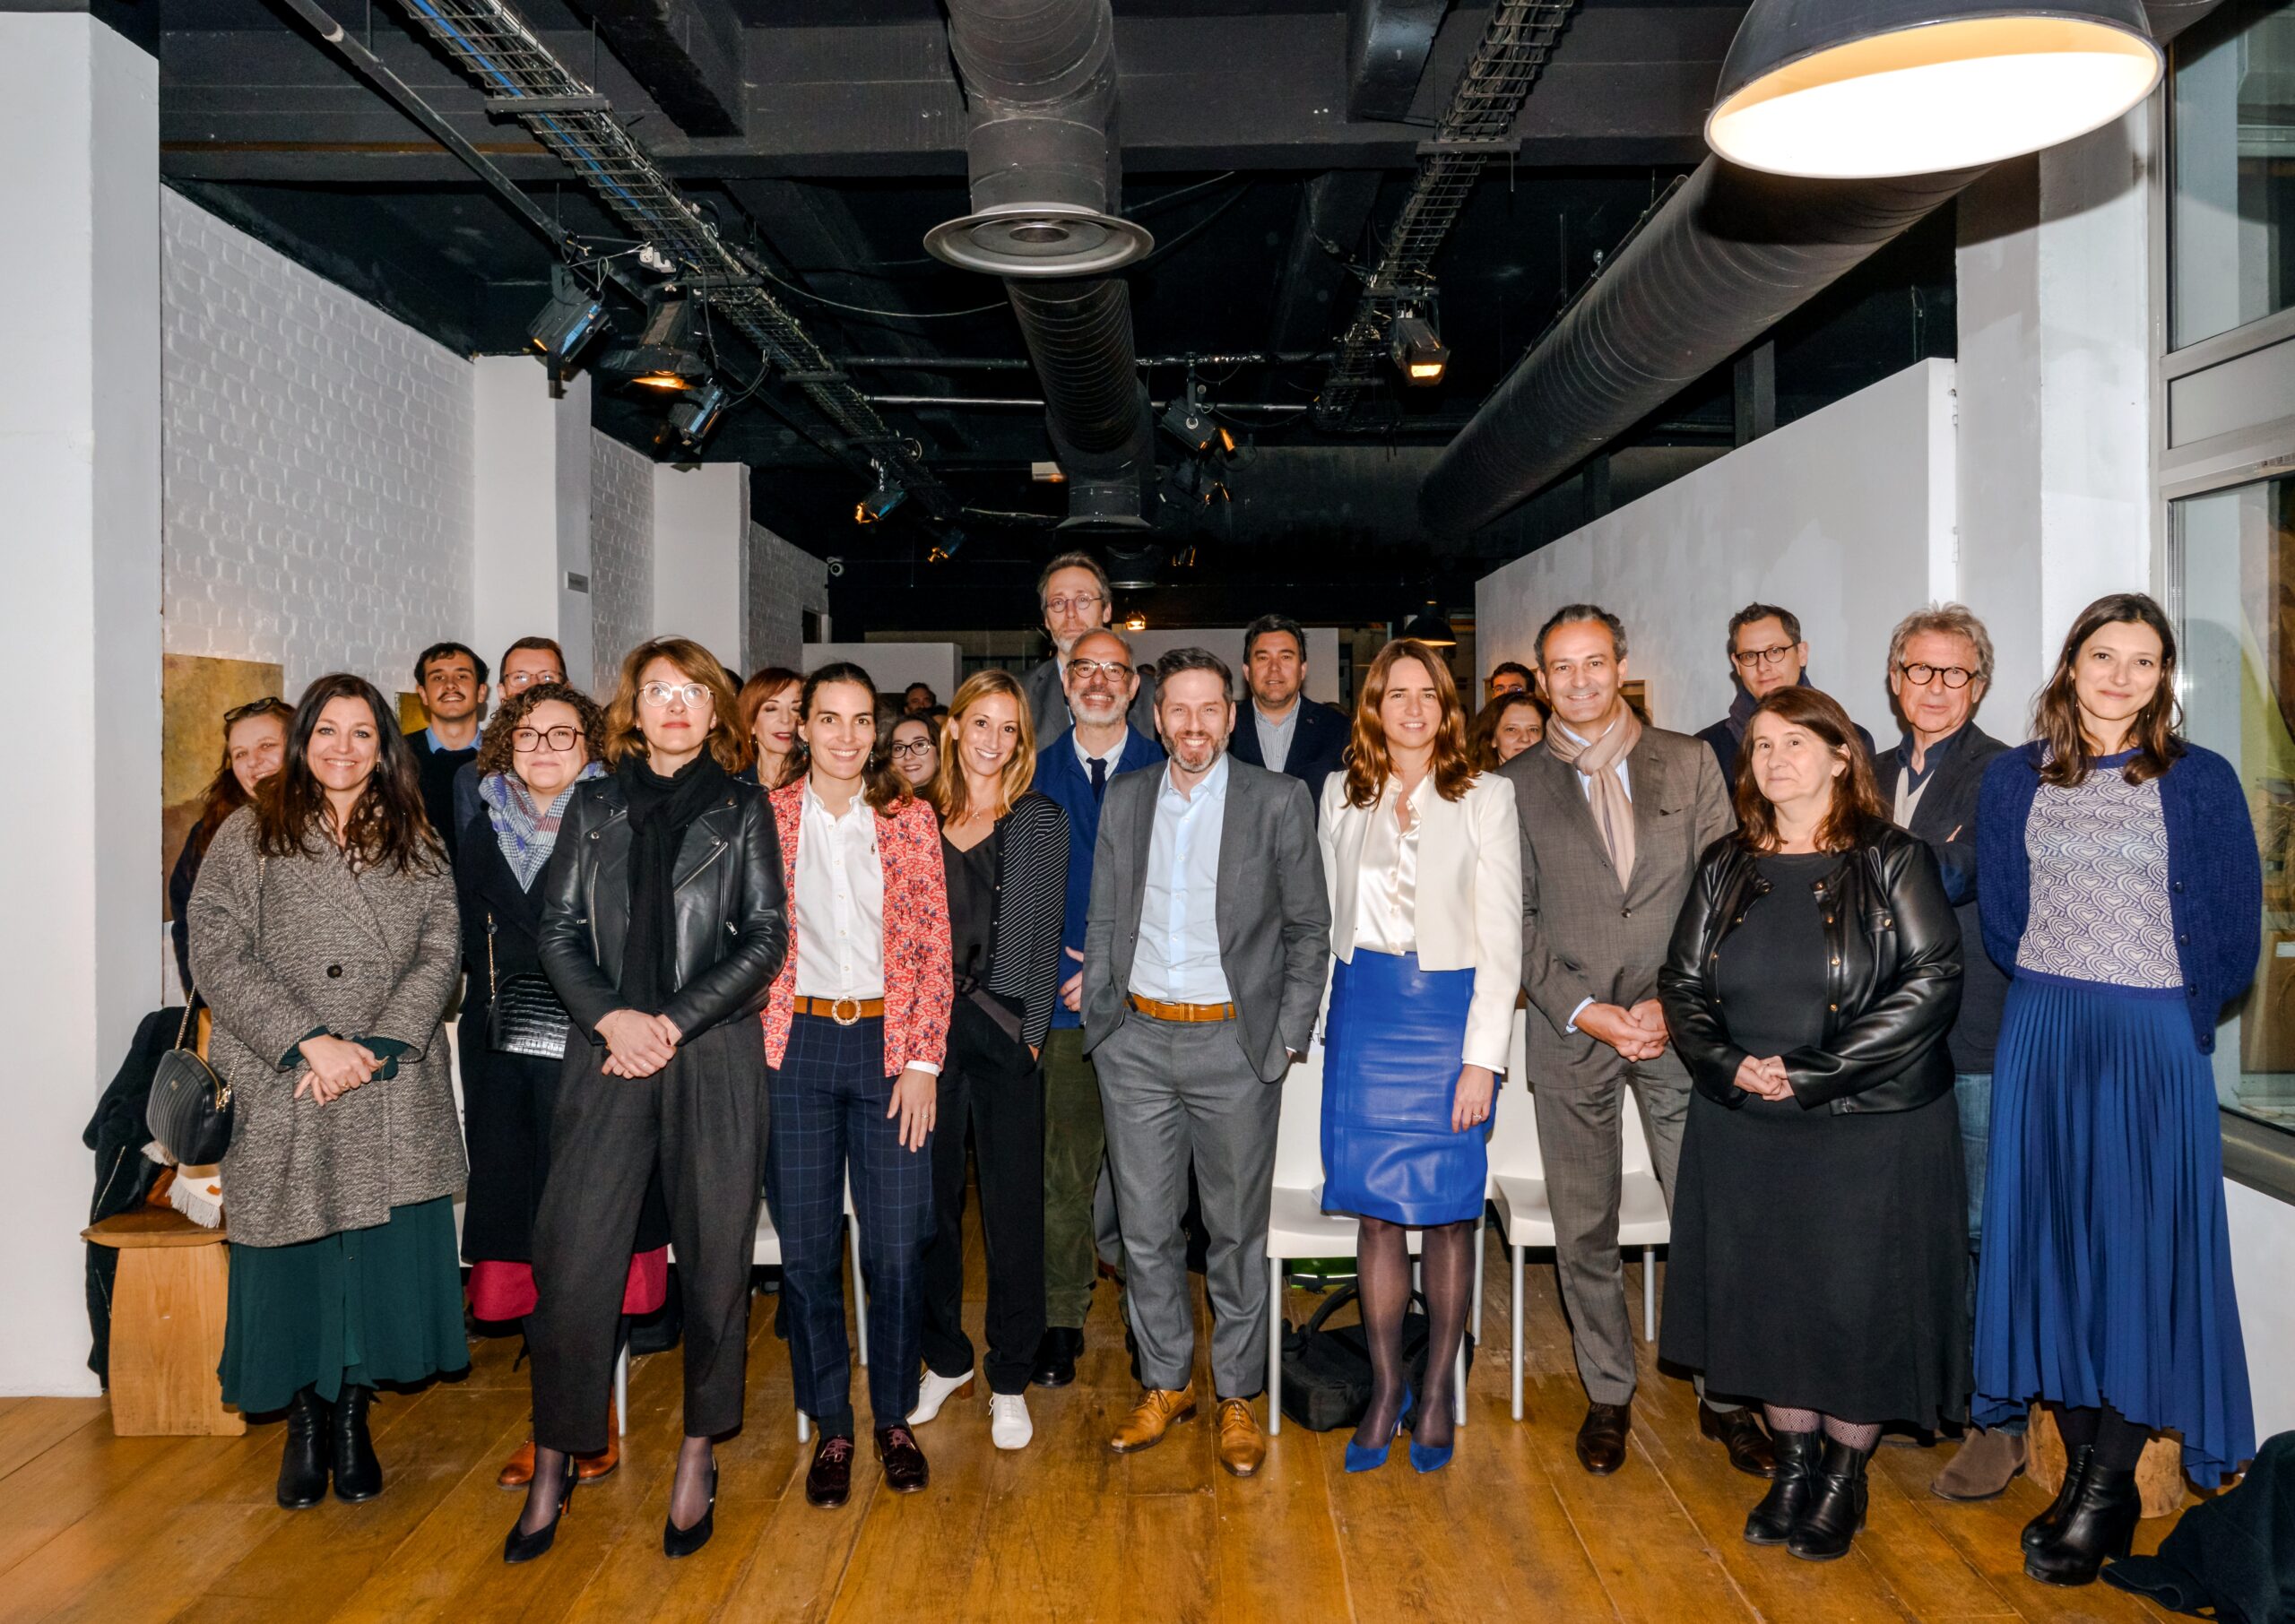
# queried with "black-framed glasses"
point(1952, 676)
point(1747, 659)
point(268, 705)
point(1083, 603)
point(525, 740)
point(914, 746)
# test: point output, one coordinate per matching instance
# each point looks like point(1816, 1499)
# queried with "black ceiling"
point(1263, 195)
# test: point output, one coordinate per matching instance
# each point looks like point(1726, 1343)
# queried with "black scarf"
point(661, 810)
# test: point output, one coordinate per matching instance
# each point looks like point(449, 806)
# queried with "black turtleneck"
point(661, 810)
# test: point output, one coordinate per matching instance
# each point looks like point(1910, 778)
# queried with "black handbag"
point(1327, 1372)
point(190, 1111)
point(522, 1013)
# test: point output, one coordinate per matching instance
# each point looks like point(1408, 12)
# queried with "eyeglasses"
point(658, 694)
point(1921, 676)
point(914, 746)
point(1114, 670)
point(525, 740)
point(1082, 604)
point(1747, 659)
point(518, 680)
point(254, 707)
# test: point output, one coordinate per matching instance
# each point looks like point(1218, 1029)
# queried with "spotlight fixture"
point(946, 547)
point(875, 507)
point(1135, 622)
point(663, 357)
point(1419, 355)
point(566, 326)
point(1432, 627)
point(692, 418)
point(1864, 88)
point(1188, 418)
point(1133, 570)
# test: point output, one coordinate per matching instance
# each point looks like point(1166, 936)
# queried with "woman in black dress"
point(1819, 1253)
point(538, 747)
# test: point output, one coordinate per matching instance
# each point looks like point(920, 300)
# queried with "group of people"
point(719, 943)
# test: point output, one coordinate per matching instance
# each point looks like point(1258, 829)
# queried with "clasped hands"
point(1765, 1078)
point(333, 1066)
point(637, 1044)
point(1638, 1033)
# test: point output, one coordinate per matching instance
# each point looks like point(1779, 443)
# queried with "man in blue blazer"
point(1282, 730)
point(1074, 770)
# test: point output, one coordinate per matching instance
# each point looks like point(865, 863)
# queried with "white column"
point(701, 525)
point(79, 616)
point(533, 455)
point(2055, 343)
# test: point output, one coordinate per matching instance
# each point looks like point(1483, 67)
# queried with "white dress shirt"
point(1176, 959)
point(1386, 878)
point(839, 907)
point(1274, 736)
point(1109, 756)
point(1586, 788)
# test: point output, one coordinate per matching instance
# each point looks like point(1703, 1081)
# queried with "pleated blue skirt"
point(2105, 1274)
point(1393, 1045)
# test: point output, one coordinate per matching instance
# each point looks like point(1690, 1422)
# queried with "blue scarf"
point(527, 833)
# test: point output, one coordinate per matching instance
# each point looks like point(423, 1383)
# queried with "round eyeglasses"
point(1952, 675)
point(526, 740)
point(658, 694)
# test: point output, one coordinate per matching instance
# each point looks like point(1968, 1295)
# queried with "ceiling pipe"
point(1729, 257)
point(1046, 174)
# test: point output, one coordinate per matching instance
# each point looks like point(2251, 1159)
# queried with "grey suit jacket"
point(1274, 915)
point(1048, 705)
point(1584, 936)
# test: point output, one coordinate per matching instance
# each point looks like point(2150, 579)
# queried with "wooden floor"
point(129, 1529)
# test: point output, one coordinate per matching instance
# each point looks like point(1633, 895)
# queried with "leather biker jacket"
point(730, 909)
point(1893, 978)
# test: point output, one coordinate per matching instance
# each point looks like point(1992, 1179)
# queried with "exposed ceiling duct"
point(1731, 255)
point(1047, 178)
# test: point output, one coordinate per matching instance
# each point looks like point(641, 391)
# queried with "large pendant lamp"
point(1851, 89)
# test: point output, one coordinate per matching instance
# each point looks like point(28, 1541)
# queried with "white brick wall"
point(621, 556)
point(317, 479)
point(783, 581)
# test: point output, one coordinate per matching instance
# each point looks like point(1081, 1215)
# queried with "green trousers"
point(1075, 1142)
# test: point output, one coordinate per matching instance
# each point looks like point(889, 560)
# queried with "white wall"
point(893, 665)
point(1845, 517)
point(701, 521)
point(621, 557)
point(2263, 1268)
point(1227, 642)
point(783, 581)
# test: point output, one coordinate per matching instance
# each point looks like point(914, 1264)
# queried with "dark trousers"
point(1075, 1153)
point(829, 1098)
point(702, 1118)
point(991, 1085)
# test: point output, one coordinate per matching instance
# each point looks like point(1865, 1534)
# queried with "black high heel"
point(519, 1547)
point(2042, 1528)
point(2099, 1526)
point(677, 1541)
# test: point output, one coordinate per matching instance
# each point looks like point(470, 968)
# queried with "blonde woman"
point(1005, 850)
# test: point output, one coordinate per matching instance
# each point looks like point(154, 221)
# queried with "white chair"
point(1518, 1180)
point(1298, 1227)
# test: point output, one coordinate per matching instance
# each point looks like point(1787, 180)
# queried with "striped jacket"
point(918, 983)
point(1030, 906)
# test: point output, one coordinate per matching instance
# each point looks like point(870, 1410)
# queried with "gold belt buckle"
point(837, 1012)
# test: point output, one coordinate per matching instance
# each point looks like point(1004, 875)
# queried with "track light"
point(692, 418)
point(874, 507)
point(664, 356)
point(1188, 418)
point(565, 326)
point(1418, 354)
point(1862, 89)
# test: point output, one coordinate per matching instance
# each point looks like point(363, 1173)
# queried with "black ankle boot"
point(1836, 1507)
point(302, 1468)
point(2041, 1528)
point(1789, 1487)
point(2099, 1523)
point(358, 1474)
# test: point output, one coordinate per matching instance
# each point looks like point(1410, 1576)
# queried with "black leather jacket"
point(1893, 983)
point(731, 909)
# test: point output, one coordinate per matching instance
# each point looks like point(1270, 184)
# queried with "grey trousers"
point(1581, 1138)
point(1177, 1092)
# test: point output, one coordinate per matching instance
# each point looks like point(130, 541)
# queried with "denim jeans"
point(1972, 1094)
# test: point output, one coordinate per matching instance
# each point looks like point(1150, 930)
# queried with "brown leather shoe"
point(1736, 1430)
point(906, 1470)
point(1601, 1438)
point(1982, 1468)
point(590, 1468)
point(1242, 1447)
point(1157, 1410)
point(830, 1479)
point(518, 1471)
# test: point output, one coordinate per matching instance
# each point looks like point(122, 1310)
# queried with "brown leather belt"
point(1182, 1012)
point(844, 1011)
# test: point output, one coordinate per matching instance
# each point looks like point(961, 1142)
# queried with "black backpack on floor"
point(1327, 1370)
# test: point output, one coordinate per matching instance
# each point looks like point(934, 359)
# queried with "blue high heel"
point(1362, 1459)
point(1431, 1458)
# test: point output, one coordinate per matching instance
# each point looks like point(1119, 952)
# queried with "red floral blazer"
point(920, 979)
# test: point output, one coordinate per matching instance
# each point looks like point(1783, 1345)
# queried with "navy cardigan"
point(2214, 873)
point(1062, 777)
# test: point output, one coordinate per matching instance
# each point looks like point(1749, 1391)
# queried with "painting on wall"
point(411, 717)
point(195, 692)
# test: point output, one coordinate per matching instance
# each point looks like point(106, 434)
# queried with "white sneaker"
point(934, 1391)
point(1009, 1425)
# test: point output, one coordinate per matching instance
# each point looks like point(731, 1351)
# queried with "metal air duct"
point(1047, 177)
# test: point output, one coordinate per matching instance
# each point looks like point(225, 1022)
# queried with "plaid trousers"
point(829, 1098)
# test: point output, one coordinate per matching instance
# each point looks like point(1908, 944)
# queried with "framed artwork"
point(194, 691)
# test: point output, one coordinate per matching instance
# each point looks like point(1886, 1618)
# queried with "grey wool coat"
point(280, 946)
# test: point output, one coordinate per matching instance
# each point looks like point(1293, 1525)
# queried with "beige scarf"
point(1611, 807)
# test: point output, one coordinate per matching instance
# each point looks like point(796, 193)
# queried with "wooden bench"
point(167, 1325)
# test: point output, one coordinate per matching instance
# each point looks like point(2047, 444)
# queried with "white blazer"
point(1470, 897)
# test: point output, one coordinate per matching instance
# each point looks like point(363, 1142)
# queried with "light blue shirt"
point(1176, 959)
point(1275, 736)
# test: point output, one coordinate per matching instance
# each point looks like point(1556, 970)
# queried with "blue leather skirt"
point(1394, 1043)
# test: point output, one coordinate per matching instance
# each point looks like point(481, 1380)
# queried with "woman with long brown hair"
point(2122, 891)
point(1510, 724)
point(767, 710)
point(254, 742)
point(1818, 1256)
point(1422, 857)
point(1004, 849)
point(663, 922)
point(323, 936)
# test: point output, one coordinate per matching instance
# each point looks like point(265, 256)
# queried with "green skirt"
point(352, 1308)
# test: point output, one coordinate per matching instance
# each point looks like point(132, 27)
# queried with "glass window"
point(2237, 556)
point(2234, 151)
